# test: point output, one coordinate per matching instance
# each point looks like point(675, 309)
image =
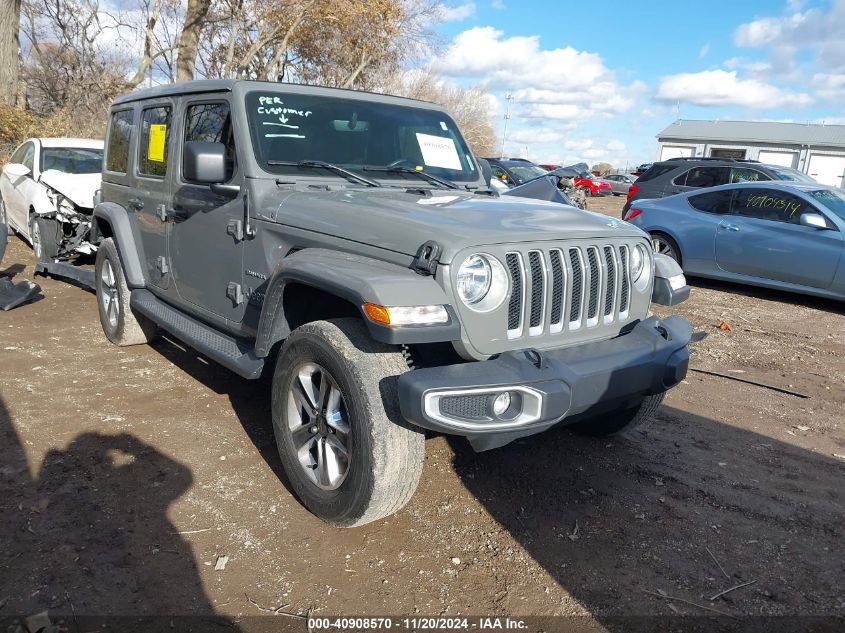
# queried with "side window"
point(152, 148)
point(28, 159)
point(744, 174)
point(211, 123)
point(499, 173)
point(718, 202)
point(770, 204)
point(17, 157)
point(703, 177)
point(117, 147)
point(657, 170)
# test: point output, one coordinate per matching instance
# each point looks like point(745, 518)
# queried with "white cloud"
point(457, 13)
point(560, 83)
point(721, 88)
point(704, 50)
point(499, 5)
point(816, 29)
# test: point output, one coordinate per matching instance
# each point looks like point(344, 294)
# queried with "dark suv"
point(679, 175)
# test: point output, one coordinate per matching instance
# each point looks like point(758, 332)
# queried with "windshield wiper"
point(319, 164)
point(398, 169)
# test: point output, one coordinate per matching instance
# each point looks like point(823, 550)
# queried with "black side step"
point(83, 276)
point(228, 351)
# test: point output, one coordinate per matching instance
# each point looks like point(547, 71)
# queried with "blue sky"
point(597, 81)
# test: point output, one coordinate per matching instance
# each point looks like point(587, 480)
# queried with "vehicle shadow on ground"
point(769, 294)
point(88, 537)
point(250, 399)
point(613, 519)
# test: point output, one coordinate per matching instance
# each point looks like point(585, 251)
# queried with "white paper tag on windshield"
point(438, 151)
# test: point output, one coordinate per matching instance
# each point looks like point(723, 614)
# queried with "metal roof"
point(756, 132)
point(227, 85)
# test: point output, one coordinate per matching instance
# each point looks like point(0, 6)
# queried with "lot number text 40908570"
point(420, 623)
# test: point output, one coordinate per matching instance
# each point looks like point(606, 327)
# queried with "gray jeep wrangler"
point(349, 241)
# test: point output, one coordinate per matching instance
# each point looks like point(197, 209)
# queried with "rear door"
point(152, 191)
point(205, 231)
point(763, 238)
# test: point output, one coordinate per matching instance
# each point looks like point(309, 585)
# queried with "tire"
point(622, 421)
point(371, 458)
point(121, 325)
point(44, 235)
point(665, 245)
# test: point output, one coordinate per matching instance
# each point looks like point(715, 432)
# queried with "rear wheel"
point(120, 323)
point(44, 233)
point(621, 421)
point(665, 245)
point(348, 454)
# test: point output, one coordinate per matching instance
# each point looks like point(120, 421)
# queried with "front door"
point(154, 173)
point(763, 238)
point(203, 241)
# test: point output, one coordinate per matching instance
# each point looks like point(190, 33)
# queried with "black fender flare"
point(358, 280)
point(127, 246)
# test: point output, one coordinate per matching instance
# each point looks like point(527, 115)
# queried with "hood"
point(78, 188)
point(400, 221)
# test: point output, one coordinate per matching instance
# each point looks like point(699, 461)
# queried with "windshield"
point(355, 135)
point(72, 160)
point(833, 200)
point(586, 175)
point(525, 171)
point(787, 173)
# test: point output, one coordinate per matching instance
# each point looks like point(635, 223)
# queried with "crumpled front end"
point(73, 223)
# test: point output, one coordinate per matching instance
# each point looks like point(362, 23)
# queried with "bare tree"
point(10, 17)
point(472, 108)
point(186, 59)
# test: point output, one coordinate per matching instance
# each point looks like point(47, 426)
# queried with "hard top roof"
point(228, 85)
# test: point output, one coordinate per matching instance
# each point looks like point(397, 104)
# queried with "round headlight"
point(638, 261)
point(482, 283)
point(474, 278)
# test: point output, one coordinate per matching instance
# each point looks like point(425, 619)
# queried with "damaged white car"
point(47, 194)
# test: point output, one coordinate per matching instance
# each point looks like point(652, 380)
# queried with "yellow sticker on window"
point(155, 147)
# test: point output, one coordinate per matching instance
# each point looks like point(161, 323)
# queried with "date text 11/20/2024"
point(417, 624)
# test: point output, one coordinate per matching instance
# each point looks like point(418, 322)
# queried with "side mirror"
point(17, 170)
point(813, 219)
point(486, 172)
point(204, 162)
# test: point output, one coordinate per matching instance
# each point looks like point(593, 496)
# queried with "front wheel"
point(44, 233)
point(621, 421)
point(348, 454)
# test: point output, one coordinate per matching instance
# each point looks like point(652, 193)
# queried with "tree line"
point(63, 61)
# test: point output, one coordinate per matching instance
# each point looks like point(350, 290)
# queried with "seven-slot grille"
point(567, 288)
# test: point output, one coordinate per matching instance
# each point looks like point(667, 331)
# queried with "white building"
point(817, 150)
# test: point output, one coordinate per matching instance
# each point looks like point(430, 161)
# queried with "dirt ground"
point(127, 474)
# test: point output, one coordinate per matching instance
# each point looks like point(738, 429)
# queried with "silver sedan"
point(620, 183)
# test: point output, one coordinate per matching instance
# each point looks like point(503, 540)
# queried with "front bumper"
point(547, 387)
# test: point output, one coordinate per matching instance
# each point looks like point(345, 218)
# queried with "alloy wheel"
point(109, 293)
point(35, 234)
point(319, 426)
point(663, 247)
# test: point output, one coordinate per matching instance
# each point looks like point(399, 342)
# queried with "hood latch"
point(425, 261)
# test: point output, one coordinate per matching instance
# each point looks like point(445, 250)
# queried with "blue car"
point(786, 236)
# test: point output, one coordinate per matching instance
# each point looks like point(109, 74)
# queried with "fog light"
point(502, 403)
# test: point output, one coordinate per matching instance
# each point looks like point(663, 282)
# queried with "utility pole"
point(508, 99)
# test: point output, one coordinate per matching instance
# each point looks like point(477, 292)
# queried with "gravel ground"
point(126, 475)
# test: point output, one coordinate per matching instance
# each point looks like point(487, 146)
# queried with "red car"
point(585, 180)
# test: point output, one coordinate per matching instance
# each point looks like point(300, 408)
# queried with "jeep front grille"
point(567, 288)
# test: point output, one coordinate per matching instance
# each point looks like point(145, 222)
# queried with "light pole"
point(508, 99)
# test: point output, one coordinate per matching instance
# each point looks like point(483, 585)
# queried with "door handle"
point(136, 203)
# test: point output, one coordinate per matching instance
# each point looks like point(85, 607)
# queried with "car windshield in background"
point(787, 173)
point(355, 135)
point(525, 172)
point(72, 160)
point(833, 200)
